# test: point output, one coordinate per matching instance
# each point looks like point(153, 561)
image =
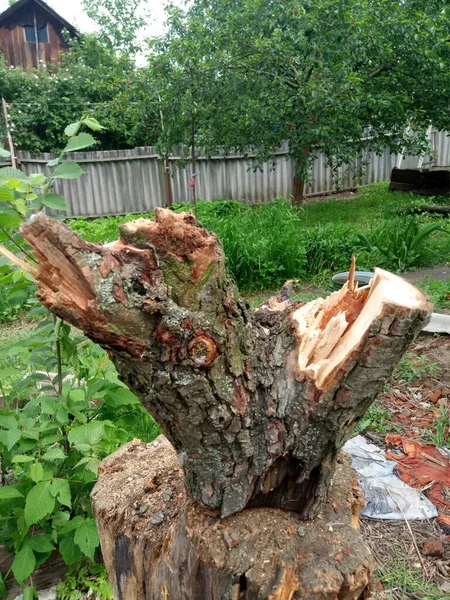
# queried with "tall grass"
point(266, 245)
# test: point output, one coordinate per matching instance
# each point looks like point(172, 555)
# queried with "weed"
point(439, 292)
point(407, 581)
point(399, 243)
point(412, 367)
point(375, 418)
point(87, 581)
point(439, 436)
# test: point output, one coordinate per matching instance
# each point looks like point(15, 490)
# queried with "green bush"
point(64, 410)
point(329, 247)
point(398, 243)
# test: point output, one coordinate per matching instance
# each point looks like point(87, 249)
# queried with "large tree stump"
point(256, 404)
point(159, 544)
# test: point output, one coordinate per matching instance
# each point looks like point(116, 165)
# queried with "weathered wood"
point(157, 544)
point(257, 404)
point(44, 577)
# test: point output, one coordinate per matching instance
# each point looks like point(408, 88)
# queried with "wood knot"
point(202, 350)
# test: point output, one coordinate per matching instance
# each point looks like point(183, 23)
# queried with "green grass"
point(406, 581)
point(266, 245)
point(439, 292)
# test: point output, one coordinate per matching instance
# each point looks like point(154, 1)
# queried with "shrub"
point(399, 243)
point(329, 247)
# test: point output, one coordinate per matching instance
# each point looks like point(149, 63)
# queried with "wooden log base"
point(157, 544)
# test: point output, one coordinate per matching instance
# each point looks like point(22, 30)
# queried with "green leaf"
point(22, 458)
point(68, 170)
point(69, 551)
point(72, 129)
point(86, 538)
point(72, 525)
point(49, 406)
point(60, 488)
point(42, 543)
point(7, 492)
point(29, 593)
point(37, 179)
point(6, 195)
point(121, 396)
point(90, 463)
point(3, 589)
point(79, 142)
point(10, 438)
point(39, 503)
point(4, 154)
point(60, 518)
point(36, 472)
point(89, 434)
point(93, 124)
point(53, 162)
point(54, 454)
point(9, 220)
point(54, 201)
point(12, 173)
point(8, 421)
point(62, 416)
point(24, 563)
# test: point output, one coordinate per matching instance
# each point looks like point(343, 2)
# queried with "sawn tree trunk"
point(257, 404)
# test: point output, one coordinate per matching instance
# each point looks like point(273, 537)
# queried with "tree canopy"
point(337, 76)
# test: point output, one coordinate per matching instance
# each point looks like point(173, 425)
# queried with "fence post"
point(8, 134)
point(168, 182)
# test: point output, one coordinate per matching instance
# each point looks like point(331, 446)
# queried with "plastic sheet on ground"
point(386, 496)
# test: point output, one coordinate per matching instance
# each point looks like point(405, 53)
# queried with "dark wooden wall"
point(19, 53)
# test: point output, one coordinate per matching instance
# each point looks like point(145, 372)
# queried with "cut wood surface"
point(257, 404)
point(157, 544)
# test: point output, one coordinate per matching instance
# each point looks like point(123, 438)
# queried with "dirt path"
point(440, 273)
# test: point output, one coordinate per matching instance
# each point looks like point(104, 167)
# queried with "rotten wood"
point(256, 404)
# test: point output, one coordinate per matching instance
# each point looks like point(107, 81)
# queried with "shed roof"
point(8, 15)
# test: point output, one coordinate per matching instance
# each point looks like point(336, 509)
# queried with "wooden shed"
point(31, 33)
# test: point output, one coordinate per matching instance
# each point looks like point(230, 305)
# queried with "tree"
point(120, 22)
point(257, 406)
point(339, 76)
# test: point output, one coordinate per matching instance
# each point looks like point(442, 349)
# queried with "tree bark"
point(298, 196)
point(256, 404)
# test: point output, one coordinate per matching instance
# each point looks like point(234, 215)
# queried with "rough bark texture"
point(159, 545)
point(248, 399)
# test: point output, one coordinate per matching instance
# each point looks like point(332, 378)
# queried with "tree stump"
point(157, 543)
point(257, 404)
